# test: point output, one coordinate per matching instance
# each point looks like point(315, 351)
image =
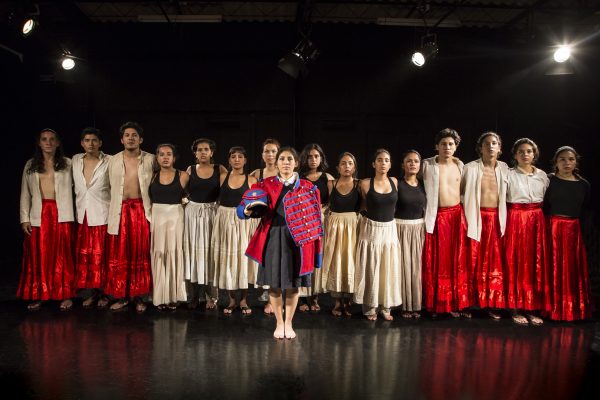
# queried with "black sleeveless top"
point(380, 206)
point(232, 197)
point(321, 183)
point(341, 203)
point(204, 190)
point(411, 201)
point(171, 193)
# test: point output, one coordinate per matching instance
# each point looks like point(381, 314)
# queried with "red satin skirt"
point(571, 291)
point(48, 271)
point(445, 268)
point(486, 258)
point(129, 273)
point(90, 261)
point(527, 278)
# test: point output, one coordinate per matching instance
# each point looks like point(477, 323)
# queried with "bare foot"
point(303, 307)
point(416, 315)
point(337, 309)
point(372, 317)
point(66, 305)
point(519, 319)
point(89, 302)
point(140, 307)
point(34, 306)
point(315, 306)
point(406, 315)
point(210, 304)
point(466, 314)
point(454, 314)
point(119, 305)
point(535, 320)
point(347, 310)
point(268, 309)
point(279, 332)
point(229, 309)
point(494, 315)
point(289, 332)
point(103, 302)
point(387, 315)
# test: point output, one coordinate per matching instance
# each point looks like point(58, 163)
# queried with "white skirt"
point(377, 278)
point(198, 263)
point(166, 229)
point(338, 258)
point(233, 270)
point(411, 235)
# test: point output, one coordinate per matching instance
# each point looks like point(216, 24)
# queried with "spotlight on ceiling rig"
point(562, 54)
point(67, 61)
point(428, 50)
point(298, 60)
point(29, 25)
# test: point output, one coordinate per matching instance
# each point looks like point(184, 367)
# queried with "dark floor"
point(88, 354)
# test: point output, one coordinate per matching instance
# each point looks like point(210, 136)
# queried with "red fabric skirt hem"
point(90, 256)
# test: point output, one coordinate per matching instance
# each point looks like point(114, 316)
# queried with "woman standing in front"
point(313, 167)
point(287, 243)
point(410, 222)
point(378, 278)
point(527, 274)
point(341, 231)
point(233, 270)
point(166, 230)
point(567, 202)
point(203, 189)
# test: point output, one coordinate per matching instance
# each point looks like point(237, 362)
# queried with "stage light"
point(28, 26)
point(68, 63)
point(562, 54)
point(418, 59)
point(428, 50)
point(299, 59)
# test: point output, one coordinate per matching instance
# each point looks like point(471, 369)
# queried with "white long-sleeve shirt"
point(526, 188)
point(92, 200)
point(471, 182)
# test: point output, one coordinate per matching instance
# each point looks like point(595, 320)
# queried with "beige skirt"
point(338, 258)
point(317, 279)
point(198, 263)
point(166, 229)
point(377, 278)
point(233, 270)
point(411, 235)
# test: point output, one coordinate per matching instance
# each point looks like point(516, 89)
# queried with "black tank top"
point(411, 201)
point(204, 190)
point(321, 183)
point(166, 194)
point(380, 206)
point(341, 203)
point(232, 197)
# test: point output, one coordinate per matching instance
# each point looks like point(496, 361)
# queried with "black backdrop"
point(221, 81)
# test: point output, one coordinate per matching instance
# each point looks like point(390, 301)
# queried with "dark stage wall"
point(221, 81)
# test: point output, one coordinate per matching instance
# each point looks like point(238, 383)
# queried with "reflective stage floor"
point(94, 354)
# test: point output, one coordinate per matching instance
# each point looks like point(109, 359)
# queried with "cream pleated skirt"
point(233, 270)
point(166, 229)
point(377, 278)
point(411, 235)
point(338, 258)
point(318, 279)
point(199, 218)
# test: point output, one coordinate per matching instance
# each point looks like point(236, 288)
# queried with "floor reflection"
point(102, 355)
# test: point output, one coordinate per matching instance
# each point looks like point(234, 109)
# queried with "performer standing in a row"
point(527, 274)
point(130, 172)
point(410, 224)
point(203, 188)
point(46, 213)
point(378, 279)
point(446, 286)
point(270, 147)
point(313, 167)
point(567, 203)
point(341, 230)
point(287, 244)
point(92, 199)
point(484, 188)
point(233, 270)
point(166, 228)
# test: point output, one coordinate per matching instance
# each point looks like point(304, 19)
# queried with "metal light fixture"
point(428, 50)
point(299, 59)
point(29, 26)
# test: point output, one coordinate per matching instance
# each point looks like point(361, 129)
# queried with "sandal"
point(66, 305)
point(535, 320)
point(387, 315)
point(406, 315)
point(246, 310)
point(211, 304)
point(372, 317)
point(315, 306)
point(347, 310)
point(34, 306)
point(303, 307)
point(172, 306)
point(140, 307)
point(416, 315)
point(494, 315)
point(89, 302)
point(466, 314)
point(229, 310)
point(455, 314)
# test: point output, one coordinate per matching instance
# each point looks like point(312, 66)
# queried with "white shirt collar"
point(289, 181)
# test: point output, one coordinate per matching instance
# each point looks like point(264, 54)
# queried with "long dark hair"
point(561, 149)
point(37, 160)
point(323, 166)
